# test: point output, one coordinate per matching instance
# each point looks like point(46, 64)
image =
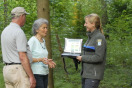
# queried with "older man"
point(16, 54)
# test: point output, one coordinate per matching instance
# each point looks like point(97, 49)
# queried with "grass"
point(62, 80)
point(115, 76)
point(1, 76)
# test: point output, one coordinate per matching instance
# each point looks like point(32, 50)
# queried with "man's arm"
point(26, 65)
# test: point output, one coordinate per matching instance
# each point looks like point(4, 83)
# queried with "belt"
point(12, 63)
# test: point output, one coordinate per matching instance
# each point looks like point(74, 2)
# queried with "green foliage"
point(30, 7)
point(91, 6)
point(1, 76)
point(116, 77)
point(72, 80)
point(118, 7)
point(120, 41)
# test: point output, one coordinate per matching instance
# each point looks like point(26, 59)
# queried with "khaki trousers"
point(15, 77)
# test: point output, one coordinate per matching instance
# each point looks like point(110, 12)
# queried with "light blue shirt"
point(38, 50)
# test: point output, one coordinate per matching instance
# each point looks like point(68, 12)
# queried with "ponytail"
point(100, 28)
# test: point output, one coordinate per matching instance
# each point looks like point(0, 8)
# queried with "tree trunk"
point(60, 49)
point(44, 12)
point(59, 44)
point(104, 16)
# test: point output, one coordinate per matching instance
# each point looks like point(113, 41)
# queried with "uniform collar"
point(91, 34)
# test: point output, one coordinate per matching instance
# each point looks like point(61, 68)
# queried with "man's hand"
point(32, 82)
point(79, 58)
point(26, 65)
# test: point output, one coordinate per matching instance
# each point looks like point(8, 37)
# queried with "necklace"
point(40, 42)
point(41, 45)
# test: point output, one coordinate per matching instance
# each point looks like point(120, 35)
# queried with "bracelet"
point(46, 60)
point(38, 60)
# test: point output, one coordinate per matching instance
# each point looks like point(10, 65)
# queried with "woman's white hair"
point(37, 24)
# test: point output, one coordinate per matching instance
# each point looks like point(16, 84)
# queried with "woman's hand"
point(51, 63)
point(44, 60)
point(79, 58)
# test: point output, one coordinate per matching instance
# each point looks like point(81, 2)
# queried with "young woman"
point(39, 53)
point(94, 53)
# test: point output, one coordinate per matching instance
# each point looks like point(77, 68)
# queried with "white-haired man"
point(16, 54)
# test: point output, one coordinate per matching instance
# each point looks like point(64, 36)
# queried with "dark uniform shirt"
point(94, 56)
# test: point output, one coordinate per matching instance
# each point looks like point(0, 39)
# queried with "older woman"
point(39, 53)
point(94, 53)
